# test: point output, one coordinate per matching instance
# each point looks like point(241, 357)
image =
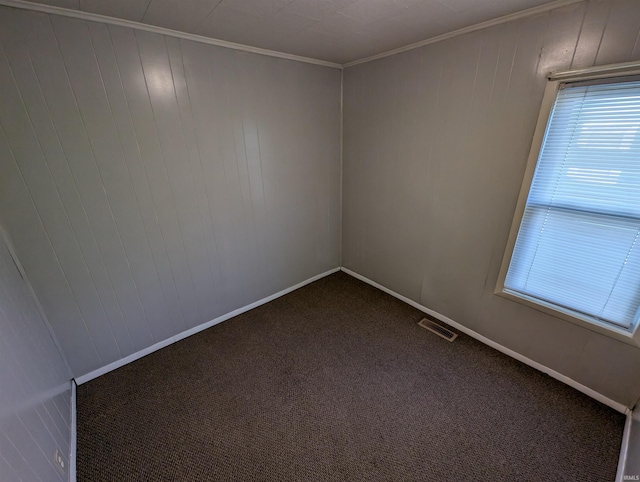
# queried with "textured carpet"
point(336, 381)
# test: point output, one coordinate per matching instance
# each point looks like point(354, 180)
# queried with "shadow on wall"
point(35, 407)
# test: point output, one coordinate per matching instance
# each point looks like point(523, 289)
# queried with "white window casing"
point(574, 246)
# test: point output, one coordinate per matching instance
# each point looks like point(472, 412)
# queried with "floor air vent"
point(438, 329)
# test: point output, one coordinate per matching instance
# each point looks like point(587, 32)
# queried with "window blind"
point(578, 246)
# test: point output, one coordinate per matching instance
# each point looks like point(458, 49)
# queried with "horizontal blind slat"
point(577, 246)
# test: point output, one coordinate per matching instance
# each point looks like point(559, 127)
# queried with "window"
point(575, 246)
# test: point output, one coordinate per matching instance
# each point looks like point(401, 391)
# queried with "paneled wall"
point(435, 145)
point(151, 184)
point(34, 385)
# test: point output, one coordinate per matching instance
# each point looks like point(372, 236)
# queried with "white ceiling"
point(338, 31)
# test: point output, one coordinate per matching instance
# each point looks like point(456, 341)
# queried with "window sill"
point(620, 334)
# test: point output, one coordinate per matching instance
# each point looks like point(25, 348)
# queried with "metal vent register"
point(438, 329)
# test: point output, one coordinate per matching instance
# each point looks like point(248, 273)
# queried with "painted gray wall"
point(35, 392)
point(435, 145)
point(151, 184)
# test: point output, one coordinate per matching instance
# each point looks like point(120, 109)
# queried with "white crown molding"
point(94, 17)
point(272, 53)
point(472, 28)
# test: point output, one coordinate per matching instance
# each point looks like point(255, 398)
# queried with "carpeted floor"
point(336, 381)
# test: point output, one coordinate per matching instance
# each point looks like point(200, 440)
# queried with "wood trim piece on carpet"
point(73, 444)
point(527, 361)
point(196, 329)
point(624, 448)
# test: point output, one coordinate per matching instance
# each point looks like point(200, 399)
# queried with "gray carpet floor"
point(337, 382)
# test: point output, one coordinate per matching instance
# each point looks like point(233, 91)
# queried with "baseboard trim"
point(538, 366)
point(180, 336)
point(624, 448)
point(73, 444)
point(192, 331)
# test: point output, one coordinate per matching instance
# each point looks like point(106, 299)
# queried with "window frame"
point(555, 80)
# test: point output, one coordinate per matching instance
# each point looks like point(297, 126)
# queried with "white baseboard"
point(558, 376)
point(552, 373)
point(74, 435)
point(145, 351)
point(624, 448)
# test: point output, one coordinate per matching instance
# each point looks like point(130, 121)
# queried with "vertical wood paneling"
point(139, 171)
point(103, 116)
point(221, 71)
point(174, 159)
point(22, 219)
point(594, 21)
point(210, 286)
point(154, 259)
point(26, 151)
point(619, 41)
point(33, 382)
point(249, 100)
point(464, 133)
point(171, 129)
point(135, 85)
point(89, 139)
point(206, 131)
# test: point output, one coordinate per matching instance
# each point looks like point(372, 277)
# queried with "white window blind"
point(578, 247)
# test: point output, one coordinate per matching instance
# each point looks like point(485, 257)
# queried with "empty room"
point(328, 240)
